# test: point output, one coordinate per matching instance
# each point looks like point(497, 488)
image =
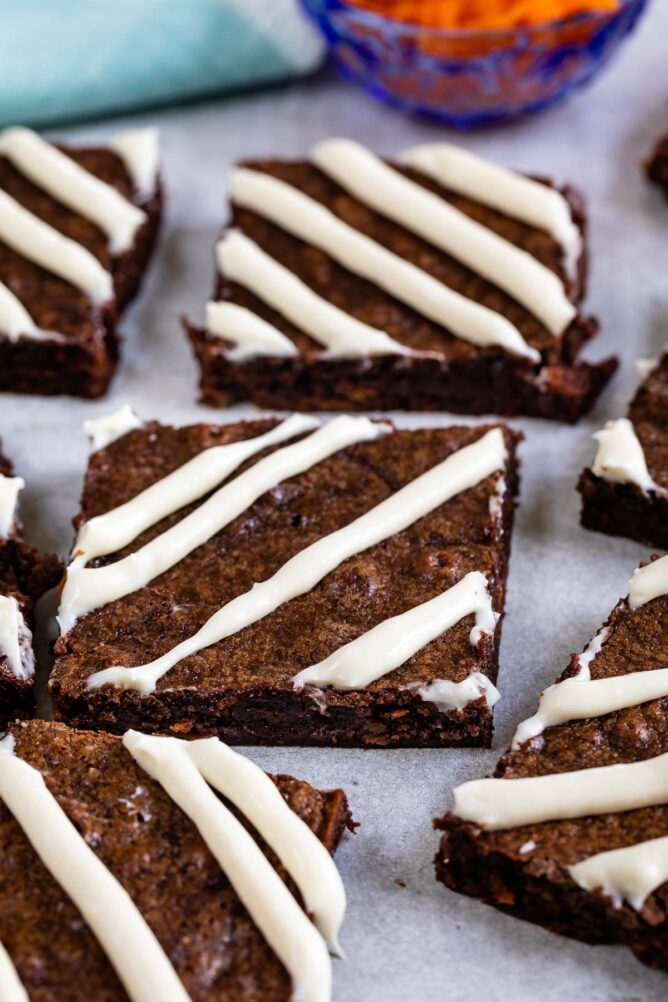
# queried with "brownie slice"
point(657, 165)
point(25, 574)
point(458, 376)
point(625, 509)
point(82, 357)
point(158, 856)
point(242, 688)
point(525, 870)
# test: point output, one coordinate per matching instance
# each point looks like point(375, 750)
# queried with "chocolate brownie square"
point(344, 589)
point(626, 491)
point(25, 575)
point(77, 228)
point(439, 282)
point(572, 832)
point(124, 835)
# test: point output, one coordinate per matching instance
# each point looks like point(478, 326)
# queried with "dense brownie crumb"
point(657, 165)
point(524, 870)
point(620, 509)
point(83, 360)
point(241, 688)
point(26, 575)
point(463, 379)
point(158, 856)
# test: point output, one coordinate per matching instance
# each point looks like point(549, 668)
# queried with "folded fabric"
point(82, 58)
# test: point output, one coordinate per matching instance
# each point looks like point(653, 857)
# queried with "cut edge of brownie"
point(395, 717)
point(656, 167)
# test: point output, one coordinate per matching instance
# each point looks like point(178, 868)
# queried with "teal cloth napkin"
point(63, 60)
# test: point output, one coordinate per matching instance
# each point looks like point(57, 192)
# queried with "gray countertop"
point(407, 937)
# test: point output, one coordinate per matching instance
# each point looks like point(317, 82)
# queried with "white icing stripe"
point(90, 588)
point(9, 493)
point(592, 650)
point(414, 207)
point(574, 699)
point(496, 804)
point(16, 322)
point(447, 695)
point(627, 874)
point(258, 798)
point(513, 194)
point(140, 152)
point(45, 246)
point(460, 471)
point(648, 582)
point(392, 642)
point(620, 457)
point(68, 183)
point(15, 638)
point(11, 989)
point(242, 261)
point(129, 943)
point(250, 333)
point(109, 428)
point(311, 222)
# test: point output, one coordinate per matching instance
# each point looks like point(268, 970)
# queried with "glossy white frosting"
point(70, 184)
point(649, 582)
point(392, 642)
point(620, 457)
point(513, 194)
point(187, 771)
point(9, 494)
point(447, 695)
point(102, 431)
point(11, 989)
point(250, 334)
point(460, 471)
point(15, 638)
point(495, 804)
point(88, 588)
point(312, 222)
point(47, 247)
point(628, 874)
point(139, 149)
point(241, 260)
point(133, 950)
point(16, 322)
point(419, 210)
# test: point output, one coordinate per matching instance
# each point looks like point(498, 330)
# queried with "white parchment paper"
point(407, 938)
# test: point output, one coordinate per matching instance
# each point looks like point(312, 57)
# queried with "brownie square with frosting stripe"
point(25, 575)
point(77, 229)
point(572, 831)
point(434, 282)
point(290, 583)
point(117, 878)
point(625, 493)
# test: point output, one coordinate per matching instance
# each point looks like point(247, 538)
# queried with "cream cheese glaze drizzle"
point(187, 771)
point(11, 989)
point(419, 210)
point(9, 493)
point(16, 322)
point(102, 431)
point(89, 588)
point(73, 186)
point(309, 220)
point(392, 642)
point(15, 638)
point(620, 457)
point(241, 260)
point(460, 471)
point(513, 194)
point(132, 948)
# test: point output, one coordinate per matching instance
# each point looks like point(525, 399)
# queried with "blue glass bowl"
point(470, 78)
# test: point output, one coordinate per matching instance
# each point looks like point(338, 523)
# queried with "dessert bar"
point(625, 493)
point(572, 833)
point(437, 282)
point(77, 228)
point(158, 870)
point(25, 575)
point(290, 582)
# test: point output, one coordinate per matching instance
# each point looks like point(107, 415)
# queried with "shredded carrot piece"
point(482, 14)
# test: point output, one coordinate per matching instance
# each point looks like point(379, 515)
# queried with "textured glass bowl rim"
point(382, 22)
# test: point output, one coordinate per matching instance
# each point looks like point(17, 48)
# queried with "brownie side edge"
point(618, 509)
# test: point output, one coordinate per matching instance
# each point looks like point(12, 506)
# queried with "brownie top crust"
point(463, 534)
point(157, 854)
point(366, 301)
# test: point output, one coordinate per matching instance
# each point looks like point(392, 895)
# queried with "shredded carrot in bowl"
point(482, 15)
